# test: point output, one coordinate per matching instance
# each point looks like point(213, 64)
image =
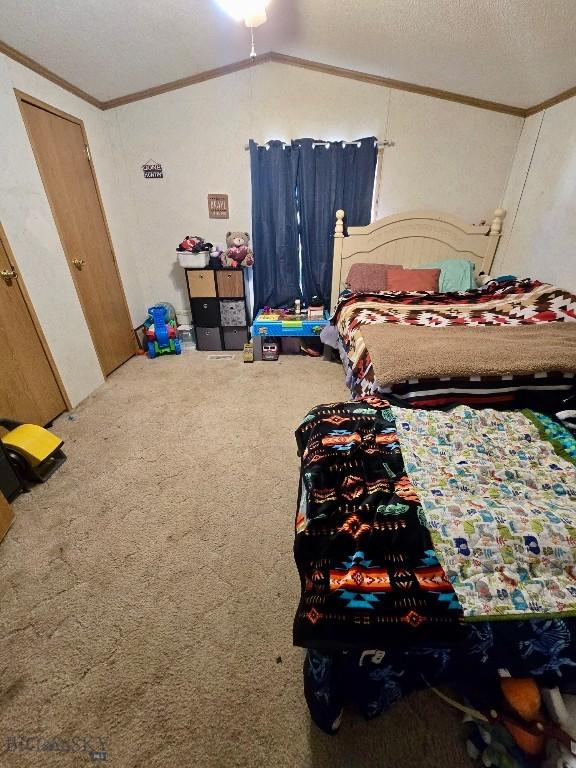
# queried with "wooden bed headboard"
point(413, 240)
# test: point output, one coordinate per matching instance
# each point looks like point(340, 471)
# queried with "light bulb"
point(253, 12)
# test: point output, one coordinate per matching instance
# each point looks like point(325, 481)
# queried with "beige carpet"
point(148, 588)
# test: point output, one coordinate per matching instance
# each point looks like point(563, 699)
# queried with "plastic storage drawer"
point(234, 338)
point(208, 339)
point(205, 312)
point(232, 313)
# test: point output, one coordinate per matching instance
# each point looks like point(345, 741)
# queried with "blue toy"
point(161, 333)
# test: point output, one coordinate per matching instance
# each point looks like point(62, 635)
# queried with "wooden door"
point(29, 390)
point(63, 158)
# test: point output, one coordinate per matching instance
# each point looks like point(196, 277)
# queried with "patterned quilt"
point(501, 505)
point(514, 303)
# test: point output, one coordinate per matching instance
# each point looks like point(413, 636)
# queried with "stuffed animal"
point(216, 256)
point(238, 252)
point(216, 252)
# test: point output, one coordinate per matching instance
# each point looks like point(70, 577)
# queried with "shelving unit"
point(219, 309)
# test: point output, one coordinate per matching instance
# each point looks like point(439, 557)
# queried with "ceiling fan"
point(252, 12)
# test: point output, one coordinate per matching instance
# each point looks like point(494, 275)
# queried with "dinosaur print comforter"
point(501, 506)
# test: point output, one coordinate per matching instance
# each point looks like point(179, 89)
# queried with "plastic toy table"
point(274, 324)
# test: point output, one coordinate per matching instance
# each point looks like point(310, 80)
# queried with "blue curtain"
point(330, 176)
point(274, 226)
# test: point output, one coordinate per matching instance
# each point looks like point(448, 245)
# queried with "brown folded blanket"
point(401, 352)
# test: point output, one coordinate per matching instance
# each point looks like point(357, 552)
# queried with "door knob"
point(79, 263)
point(8, 274)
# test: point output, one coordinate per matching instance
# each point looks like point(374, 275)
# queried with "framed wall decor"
point(218, 206)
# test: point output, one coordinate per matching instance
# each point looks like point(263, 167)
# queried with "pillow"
point(413, 280)
point(455, 274)
point(370, 277)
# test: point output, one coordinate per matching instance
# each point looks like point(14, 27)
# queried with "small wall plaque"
point(152, 170)
point(218, 206)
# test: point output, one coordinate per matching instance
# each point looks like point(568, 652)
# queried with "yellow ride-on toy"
point(34, 452)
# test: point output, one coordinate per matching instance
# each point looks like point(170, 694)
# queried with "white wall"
point(446, 156)
point(32, 234)
point(540, 236)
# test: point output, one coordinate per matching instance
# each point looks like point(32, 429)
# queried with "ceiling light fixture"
point(251, 12)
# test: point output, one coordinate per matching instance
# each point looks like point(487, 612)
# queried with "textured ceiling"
point(519, 52)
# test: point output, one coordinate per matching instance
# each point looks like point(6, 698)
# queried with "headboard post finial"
point(339, 228)
point(496, 224)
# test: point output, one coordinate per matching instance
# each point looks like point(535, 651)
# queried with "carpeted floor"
point(148, 589)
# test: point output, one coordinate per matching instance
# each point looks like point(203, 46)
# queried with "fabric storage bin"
point(201, 282)
point(232, 313)
point(230, 283)
point(235, 338)
point(205, 312)
point(208, 339)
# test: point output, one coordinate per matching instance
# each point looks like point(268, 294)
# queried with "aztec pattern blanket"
point(500, 503)
point(517, 302)
point(367, 567)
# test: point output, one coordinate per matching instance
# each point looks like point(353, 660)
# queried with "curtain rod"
point(379, 144)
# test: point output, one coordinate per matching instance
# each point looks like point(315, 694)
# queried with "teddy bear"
point(238, 252)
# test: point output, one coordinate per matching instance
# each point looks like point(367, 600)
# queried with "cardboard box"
point(6, 516)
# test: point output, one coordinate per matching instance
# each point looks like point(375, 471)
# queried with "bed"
point(372, 325)
point(413, 239)
point(435, 536)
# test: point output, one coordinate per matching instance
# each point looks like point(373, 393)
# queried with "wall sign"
point(152, 170)
point(218, 206)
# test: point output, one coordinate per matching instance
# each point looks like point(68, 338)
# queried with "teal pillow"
point(455, 274)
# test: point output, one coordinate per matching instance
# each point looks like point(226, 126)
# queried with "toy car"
point(33, 452)
point(161, 333)
point(269, 350)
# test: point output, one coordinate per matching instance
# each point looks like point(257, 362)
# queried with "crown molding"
point(184, 82)
point(21, 58)
point(399, 85)
point(293, 61)
point(316, 66)
point(568, 94)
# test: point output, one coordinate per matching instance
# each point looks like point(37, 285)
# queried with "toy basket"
point(193, 260)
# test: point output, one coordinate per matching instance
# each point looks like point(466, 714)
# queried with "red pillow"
point(370, 277)
point(413, 280)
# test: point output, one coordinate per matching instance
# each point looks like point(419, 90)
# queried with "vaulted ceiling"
point(519, 52)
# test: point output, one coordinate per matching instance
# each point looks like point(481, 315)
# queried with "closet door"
point(29, 390)
point(63, 158)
